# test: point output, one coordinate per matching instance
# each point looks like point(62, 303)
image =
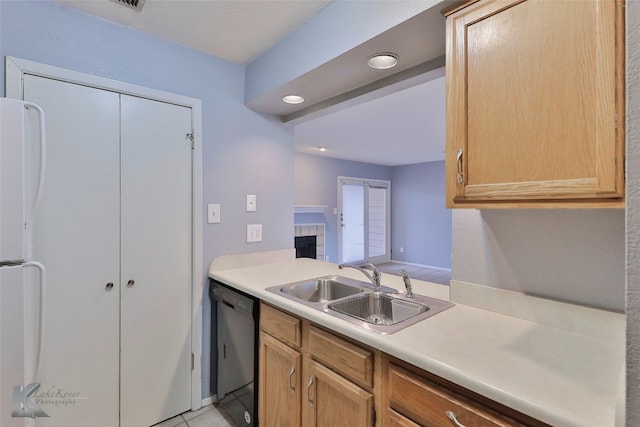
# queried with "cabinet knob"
point(109, 286)
point(130, 283)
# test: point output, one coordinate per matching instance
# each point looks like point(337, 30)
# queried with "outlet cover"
point(254, 233)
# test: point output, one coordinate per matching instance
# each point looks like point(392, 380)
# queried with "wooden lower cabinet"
point(333, 401)
point(280, 383)
point(312, 377)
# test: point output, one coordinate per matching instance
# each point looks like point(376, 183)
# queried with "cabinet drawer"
point(430, 404)
point(350, 360)
point(395, 419)
point(280, 325)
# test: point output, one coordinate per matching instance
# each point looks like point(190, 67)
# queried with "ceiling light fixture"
point(322, 148)
point(383, 60)
point(293, 99)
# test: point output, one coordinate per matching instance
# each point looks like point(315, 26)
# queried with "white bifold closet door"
point(155, 346)
point(76, 236)
point(116, 208)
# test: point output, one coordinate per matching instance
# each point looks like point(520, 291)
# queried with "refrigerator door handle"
point(43, 152)
point(42, 281)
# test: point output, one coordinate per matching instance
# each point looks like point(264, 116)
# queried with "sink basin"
point(379, 309)
point(322, 289)
point(386, 313)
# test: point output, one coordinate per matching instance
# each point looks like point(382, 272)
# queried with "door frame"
point(366, 183)
point(16, 68)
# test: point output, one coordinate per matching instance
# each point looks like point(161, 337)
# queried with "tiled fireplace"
point(317, 230)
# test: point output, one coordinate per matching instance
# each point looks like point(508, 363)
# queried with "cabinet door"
point(279, 383)
point(155, 345)
point(333, 401)
point(76, 236)
point(535, 101)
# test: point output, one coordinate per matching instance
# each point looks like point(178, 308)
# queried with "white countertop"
point(560, 377)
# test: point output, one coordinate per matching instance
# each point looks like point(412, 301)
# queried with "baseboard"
point(421, 265)
point(209, 400)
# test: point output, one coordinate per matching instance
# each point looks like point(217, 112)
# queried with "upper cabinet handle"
point(453, 418)
point(459, 161)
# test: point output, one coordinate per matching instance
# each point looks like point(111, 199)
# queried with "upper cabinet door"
point(535, 103)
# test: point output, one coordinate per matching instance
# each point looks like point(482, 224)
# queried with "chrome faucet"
point(407, 283)
point(374, 276)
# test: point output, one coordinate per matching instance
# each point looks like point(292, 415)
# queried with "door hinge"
point(191, 137)
point(373, 417)
point(193, 363)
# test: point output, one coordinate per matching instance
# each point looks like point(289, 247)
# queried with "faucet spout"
point(374, 276)
point(407, 283)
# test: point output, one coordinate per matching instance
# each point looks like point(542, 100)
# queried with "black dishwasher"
point(237, 350)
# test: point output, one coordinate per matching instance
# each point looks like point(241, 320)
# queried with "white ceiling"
point(389, 127)
point(236, 30)
point(404, 127)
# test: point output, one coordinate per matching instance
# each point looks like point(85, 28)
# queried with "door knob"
point(109, 286)
point(130, 283)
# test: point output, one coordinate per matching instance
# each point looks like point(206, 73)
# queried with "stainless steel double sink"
point(384, 311)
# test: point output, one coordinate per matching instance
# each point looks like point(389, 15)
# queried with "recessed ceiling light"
point(293, 99)
point(322, 148)
point(383, 60)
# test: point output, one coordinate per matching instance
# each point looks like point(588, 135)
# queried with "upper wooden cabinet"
point(535, 104)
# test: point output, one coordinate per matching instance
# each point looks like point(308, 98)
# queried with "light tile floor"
point(207, 416)
point(416, 272)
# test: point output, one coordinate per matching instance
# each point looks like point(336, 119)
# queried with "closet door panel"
point(155, 261)
point(76, 236)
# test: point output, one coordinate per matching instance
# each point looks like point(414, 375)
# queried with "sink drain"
point(378, 319)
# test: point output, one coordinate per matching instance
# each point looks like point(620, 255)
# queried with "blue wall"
point(243, 152)
point(419, 221)
point(317, 184)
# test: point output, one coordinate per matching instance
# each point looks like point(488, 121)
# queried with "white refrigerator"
point(22, 279)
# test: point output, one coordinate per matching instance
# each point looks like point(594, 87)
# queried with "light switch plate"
point(213, 213)
point(254, 233)
point(251, 202)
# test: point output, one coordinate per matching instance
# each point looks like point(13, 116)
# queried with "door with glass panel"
point(364, 220)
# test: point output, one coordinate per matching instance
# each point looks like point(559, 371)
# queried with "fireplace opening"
point(305, 247)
